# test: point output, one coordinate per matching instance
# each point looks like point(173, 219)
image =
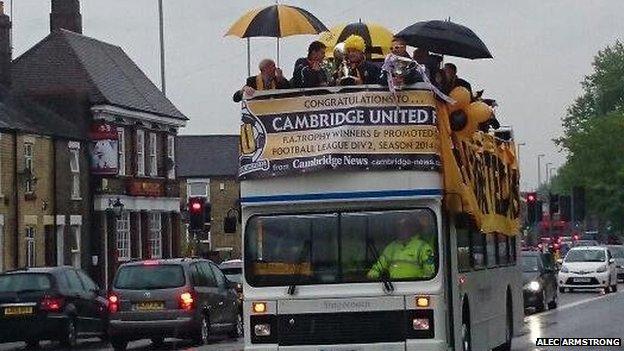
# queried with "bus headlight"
point(262, 329)
point(420, 323)
point(533, 286)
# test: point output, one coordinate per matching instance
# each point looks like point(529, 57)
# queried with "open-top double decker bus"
point(330, 180)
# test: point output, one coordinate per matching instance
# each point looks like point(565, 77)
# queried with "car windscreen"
point(530, 264)
point(585, 256)
point(144, 277)
point(348, 247)
point(25, 282)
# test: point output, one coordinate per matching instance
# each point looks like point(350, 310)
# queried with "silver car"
point(182, 298)
point(617, 251)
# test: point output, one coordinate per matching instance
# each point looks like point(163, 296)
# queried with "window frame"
point(74, 154)
point(29, 155)
point(121, 151)
point(155, 234)
point(481, 236)
point(171, 154)
point(205, 194)
point(153, 155)
point(122, 235)
point(75, 232)
point(140, 152)
point(31, 246)
point(470, 265)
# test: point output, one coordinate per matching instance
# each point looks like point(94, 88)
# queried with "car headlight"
point(564, 269)
point(601, 269)
point(533, 286)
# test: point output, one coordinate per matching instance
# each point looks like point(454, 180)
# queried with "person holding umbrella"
point(270, 78)
point(358, 70)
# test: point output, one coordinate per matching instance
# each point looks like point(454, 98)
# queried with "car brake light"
point(113, 303)
point(52, 304)
point(186, 301)
point(150, 263)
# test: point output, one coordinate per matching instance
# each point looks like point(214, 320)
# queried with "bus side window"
point(490, 240)
point(463, 250)
point(503, 249)
point(478, 249)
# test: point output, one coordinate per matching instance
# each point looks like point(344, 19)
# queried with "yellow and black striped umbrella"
point(378, 39)
point(276, 21)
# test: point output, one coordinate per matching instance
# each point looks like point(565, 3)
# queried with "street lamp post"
point(539, 169)
point(548, 172)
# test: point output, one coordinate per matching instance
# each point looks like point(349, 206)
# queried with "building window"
point(60, 245)
point(121, 138)
point(30, 247)
point(75, 245)
point(155, 235)
point(198, 189)
point(74, 165)
point(123, 237)
point(153, 155)
point(171, 156)
point(28, 166)
point(140, 152)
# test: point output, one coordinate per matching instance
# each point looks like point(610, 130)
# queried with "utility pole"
point(539, 170)
point(162, 47)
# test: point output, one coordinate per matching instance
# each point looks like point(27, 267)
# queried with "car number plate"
point(582, 280)
point(18, 310)
point(149, 306)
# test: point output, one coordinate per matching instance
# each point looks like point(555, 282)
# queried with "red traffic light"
point(531, 197)
point(196, 205)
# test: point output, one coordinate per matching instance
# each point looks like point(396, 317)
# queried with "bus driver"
point(409, 256)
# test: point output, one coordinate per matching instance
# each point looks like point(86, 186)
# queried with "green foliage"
point(594, 138)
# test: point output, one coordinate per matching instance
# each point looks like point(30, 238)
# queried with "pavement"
point(588, 314)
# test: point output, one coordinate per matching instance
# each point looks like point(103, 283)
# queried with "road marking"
point(574, 304)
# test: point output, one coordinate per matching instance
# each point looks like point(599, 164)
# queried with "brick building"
point(43, 179)
point(96, 86)
point(207, 166)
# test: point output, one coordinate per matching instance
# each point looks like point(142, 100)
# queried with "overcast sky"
point(542, 50)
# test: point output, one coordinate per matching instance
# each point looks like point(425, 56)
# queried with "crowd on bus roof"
point(352, 66)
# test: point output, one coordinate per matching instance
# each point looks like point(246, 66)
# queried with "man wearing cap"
point(409, 256)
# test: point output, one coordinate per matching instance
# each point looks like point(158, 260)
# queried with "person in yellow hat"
point(409, 256)
point(359, 70)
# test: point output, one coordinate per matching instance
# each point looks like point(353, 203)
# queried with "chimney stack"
point(5, 48)
point(66, 15)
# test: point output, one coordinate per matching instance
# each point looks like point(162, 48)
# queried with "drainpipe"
point(16, 197)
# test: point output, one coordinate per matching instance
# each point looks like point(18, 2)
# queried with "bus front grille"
point(342, 328)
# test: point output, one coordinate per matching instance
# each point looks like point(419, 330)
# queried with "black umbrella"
point(446, 38)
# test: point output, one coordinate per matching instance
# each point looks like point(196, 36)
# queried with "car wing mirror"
point(611, 260)
point(559, 261)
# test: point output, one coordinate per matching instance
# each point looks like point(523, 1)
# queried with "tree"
point(594, 139)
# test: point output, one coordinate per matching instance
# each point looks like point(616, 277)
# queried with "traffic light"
point(565, 206)
point(531, 201)
point(553, 203)
point(578, 203)
point(196, 208)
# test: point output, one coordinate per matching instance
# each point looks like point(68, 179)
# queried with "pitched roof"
point(65, 61)
point(207, 155)
point(20, 114)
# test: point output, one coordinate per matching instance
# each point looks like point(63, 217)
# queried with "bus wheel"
point(465, 330)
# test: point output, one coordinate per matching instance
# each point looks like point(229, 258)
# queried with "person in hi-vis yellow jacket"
point(409, 256)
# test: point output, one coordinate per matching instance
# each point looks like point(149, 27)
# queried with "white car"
point(588, 267)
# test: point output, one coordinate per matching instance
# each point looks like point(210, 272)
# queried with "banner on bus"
point(482, 171)
point(349, 131)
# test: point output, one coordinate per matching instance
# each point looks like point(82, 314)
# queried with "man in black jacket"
point(270, 77)
point(308, 72)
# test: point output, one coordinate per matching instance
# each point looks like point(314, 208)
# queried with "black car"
point(539, 280)
point(182, 298)
point(50, 303)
